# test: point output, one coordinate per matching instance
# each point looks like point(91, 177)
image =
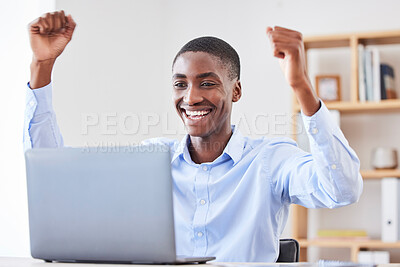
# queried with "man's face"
point(203, 93)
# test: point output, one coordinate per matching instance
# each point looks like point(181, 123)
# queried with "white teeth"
point(197, 112)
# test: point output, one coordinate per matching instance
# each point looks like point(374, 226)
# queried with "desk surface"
point(29, 262)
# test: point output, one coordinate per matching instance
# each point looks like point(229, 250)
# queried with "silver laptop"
point(102, 205)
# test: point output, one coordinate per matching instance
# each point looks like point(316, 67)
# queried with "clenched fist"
point(49, 35)
point(288, 46)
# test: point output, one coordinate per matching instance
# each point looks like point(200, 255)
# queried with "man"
point(231, 193)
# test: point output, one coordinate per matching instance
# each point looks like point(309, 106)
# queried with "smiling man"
point(206, 82)
point(231, 193)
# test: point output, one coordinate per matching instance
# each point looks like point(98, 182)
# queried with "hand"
point(50, 34)
point(288, 46)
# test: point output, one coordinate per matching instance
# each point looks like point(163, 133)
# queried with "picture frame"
point(328, 87)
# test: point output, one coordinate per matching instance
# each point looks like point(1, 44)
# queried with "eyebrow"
point(198, 76)
point(178, 75)
point(207, 74)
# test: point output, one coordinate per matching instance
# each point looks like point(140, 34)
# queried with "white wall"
point(120, 58)
point(112, 66)
point(15, 57)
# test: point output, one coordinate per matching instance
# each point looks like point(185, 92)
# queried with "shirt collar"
point(234, 148)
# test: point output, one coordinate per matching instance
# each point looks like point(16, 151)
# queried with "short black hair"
point(218, 48)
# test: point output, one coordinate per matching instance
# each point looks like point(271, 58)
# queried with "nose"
point(192, 96)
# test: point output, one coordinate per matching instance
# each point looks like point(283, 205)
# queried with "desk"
point(29, 262)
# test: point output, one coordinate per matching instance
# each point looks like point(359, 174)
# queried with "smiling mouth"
point(196, 114)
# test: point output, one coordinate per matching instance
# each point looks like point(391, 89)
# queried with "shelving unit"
point(354, 246)
point(299, 213)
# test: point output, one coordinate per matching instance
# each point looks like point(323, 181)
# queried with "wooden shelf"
point(379, 38)
point(348, 243)
point(344, 40)
point(353, 245)
point(379, 174)
point(388, 105)
point(326, 41)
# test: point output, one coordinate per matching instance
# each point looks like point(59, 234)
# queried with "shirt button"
point(31, 103)
point(333, 166)
point(314, 131)
point(199, 234)
point(202, 202)
point(204, 168)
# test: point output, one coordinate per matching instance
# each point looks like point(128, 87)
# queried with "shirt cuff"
point(321, 123)
point(40, 99)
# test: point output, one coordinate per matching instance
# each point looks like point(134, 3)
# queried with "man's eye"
point(180, 85)
point(207, 84)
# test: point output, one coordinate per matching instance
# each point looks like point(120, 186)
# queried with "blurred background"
point(112, 85)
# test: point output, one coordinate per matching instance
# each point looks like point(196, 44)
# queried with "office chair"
point(289, 250)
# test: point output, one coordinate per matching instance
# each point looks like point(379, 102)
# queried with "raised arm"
point(49, 35)
point(329, 177)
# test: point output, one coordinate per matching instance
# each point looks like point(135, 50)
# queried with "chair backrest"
point(289, 250)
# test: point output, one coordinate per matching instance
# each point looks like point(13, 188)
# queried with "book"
point(344, 238)
point(376, 74)
point(388, 89)
point(376, 80)
point(383, 89)
point(368, 74)
point(341, 233)
point(361, 77)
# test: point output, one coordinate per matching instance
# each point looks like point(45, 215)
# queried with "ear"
point(237, 91)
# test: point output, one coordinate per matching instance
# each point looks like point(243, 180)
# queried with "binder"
point(369, 83)
point(361, 75)
point(390, 209)
point(376, 72)
point(374, 257)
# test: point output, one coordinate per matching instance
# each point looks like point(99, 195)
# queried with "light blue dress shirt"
point(236, 207)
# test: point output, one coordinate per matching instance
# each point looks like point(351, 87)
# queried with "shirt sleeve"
point(328, 177)
point(40, 124)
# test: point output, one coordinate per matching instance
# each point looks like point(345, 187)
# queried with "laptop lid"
point(92, 205)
